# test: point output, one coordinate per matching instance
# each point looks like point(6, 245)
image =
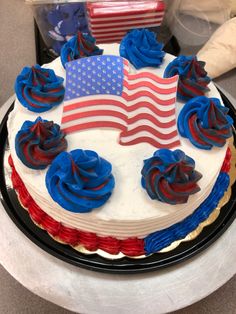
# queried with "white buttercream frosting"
point(129, 212)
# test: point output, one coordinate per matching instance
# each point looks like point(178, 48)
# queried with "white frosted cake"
point(129, 218)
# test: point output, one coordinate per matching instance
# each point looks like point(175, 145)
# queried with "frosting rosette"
point(193, 79)
point(79, 46)
point(39, 89)
point(142, 49)
point(169, 176)
point(38, 143)
point(80, 181)
point(204, 121)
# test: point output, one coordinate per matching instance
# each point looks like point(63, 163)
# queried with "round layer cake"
point(129, 212)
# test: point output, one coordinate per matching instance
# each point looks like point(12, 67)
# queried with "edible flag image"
point(106, 92)
point(109, 21)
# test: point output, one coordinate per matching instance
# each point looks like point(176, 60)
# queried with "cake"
point(121, 214)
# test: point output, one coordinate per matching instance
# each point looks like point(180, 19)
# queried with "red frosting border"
point(75, 237)
point(71, 236)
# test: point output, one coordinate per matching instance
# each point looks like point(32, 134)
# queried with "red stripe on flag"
point(153, 119)
point(94, 113)
point(140, 104)
point(155, 88)
point(148, 94)
point(92, 125)
point(151, 141)
point(145, 75)
point(146, 128)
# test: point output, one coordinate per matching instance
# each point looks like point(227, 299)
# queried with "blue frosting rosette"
point(193, 79)
point(79, 46)
point(170, 177)
point(39, 89)
point(142, 49)
point(80, 181)
point(38, 142)
point(205, 122)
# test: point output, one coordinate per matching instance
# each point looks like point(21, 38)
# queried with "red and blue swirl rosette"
point(39, 89)
point(79, 46)
point(37, 143)
point(205, 122)
point(142, 49)
point(80, 181)
point(170, 177)
point(193, 79)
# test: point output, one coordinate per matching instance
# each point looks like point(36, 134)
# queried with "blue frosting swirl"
point(158, 240)
point(38, 142)
point(79, 46)
point(204, 121)
point(39, 89)
point(142, 49)
point(169, 176)
point(80, 180)
point(193, 79)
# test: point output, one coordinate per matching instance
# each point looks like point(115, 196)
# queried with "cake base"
point(95, 262)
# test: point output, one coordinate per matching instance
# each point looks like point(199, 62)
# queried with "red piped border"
point(71, 236)
point(75, 237)
point(227, 161)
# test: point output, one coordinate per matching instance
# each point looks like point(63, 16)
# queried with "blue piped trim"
point(156, 241)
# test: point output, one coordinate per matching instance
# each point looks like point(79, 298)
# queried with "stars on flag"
point(105, 77)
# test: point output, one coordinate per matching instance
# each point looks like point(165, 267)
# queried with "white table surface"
point(84, 291)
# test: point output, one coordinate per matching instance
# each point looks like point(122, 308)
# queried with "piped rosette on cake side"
point(37, 143)
point(79, 46)
point(170, 177)
point(193, 79)
point(39, 89)
point(205, 122)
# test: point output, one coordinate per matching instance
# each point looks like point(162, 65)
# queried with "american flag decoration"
point(109, 21)
point(107, 92)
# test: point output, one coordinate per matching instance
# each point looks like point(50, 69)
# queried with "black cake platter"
point(95, 262)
